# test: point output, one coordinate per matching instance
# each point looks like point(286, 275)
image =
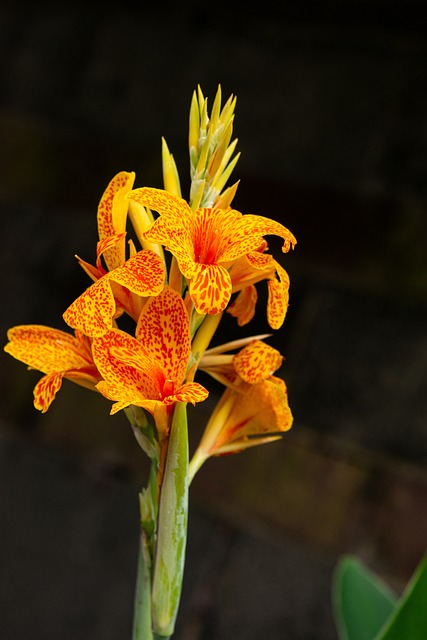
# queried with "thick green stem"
point(172, 529)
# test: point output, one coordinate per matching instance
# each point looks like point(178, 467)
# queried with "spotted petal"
point(257, 361)
point(210, 288)
point(176, 236)
point(278, 298)
point(190, 392)
point(243, 307)
point(93, 311)
point(112, 213)
point(165, 203)
point(142, 274)
point(46, 390)
point(248, 233)
point(163, 330)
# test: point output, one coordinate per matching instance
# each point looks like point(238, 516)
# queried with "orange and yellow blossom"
point(253, 409)
point(206, 243)
point(56, 354)
point(251, 269)
point(149, 370)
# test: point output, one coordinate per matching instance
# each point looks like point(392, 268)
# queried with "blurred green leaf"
point(362, 602)
point(409, 619)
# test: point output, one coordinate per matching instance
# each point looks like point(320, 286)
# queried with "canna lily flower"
point(253, 415)
point(149, 370)
point(255, 362)
point(248, 271)
point(206, 243)
point(56, 354)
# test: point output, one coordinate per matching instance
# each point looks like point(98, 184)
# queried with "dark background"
point(332, 127)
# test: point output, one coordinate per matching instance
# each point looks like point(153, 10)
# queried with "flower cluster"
point(196, 259)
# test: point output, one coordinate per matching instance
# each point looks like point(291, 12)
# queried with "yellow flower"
point(57, 354)
point(149, 370)
point(206, 243)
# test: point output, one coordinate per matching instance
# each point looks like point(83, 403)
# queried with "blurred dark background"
point(331, 120)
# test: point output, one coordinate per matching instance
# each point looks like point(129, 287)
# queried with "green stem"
point(142, 609)
point(172, 529)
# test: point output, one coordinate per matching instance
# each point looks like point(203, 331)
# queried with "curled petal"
point(163, 330)
point(142, 274)
point(105, 245)
point(46, 389)
point(278, 298)
point(243, 307)
point(210, 288)
point(248, 233)
point(176, 237)
point(257, 361)
point(92, 313)
point(112, 213)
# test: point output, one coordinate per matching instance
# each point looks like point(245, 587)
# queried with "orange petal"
point(126, 369)
point(257, 361)
point(176, 236)
point(210, 288)
point(190, 392)
point(45, 391)
point(164, 332)
point(109, 242)
point(92, 313)
point(46, 349)
point(243, 307)
point(247, 233)
point(165, 203)
point(143, 274)
point(112, 212)
point(278, 298)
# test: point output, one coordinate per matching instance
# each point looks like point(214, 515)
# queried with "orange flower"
point(149, 370)
point(257, 361)
point(57, 354)
point(206, 243)
point(248, 271)
point(253, 415)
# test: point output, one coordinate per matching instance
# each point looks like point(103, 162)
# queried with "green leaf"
point(362, 602)
point(409, 619)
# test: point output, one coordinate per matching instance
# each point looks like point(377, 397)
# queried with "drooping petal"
point(125, 367)
point(47, 349)
point(163, 330)
point(278, 298)
point(165, 203)
point(112, 212)
point(46, 390)
point(143, 274)
point(93, 311)
point(243, 307)
point(257, 361)
point(247, 235)
point(210, 288)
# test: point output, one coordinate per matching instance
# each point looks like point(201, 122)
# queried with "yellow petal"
point(176, 237)
point(47, 349)
point(143, 274)
point(257, 361)
point(165, 203)
point(210, 288)
point(112, 213)
point(278, 298)
point(46, 389)
point(129, 374)
point(247, 235)
point(163, 329)
point(190, 392)
point(92, 313)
